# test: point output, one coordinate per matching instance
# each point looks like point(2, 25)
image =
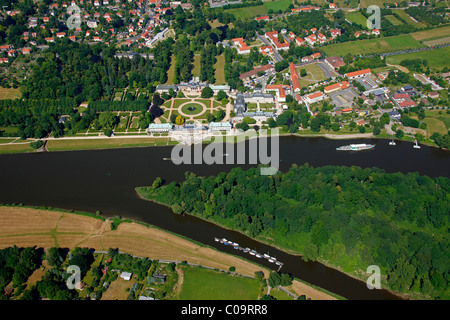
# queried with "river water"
point(104, 180)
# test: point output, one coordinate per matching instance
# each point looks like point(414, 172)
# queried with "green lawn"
point(204, 284)
point(314, 75)
point(179, 102)
point(437, 58)
point(356, 17)
point(392, 19)
point(372, 46)
point(192, 108)
point(248, 12)
point(196, 70)
point(219, 66)
point(277, 5)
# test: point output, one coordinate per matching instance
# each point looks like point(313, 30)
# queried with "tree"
point(272, 123)
point(157, 183)
point(53, 257)
point(221, 95)
point(106, 120)
point(319, 234)
point(207, 93)
point(179, 120)
point(399, 134)
point(303, 73)
point(310, 252)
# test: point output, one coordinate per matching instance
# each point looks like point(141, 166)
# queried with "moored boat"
point(356, 147)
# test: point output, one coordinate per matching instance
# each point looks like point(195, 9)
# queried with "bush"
point(36, 144)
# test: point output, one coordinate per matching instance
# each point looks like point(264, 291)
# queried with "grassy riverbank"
point(99, 143)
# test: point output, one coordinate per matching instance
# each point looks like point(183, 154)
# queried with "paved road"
point(276, 55)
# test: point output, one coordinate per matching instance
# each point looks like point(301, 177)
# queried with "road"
point(277, 57)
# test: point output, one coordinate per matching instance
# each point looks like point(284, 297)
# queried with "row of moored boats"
point(248, 250)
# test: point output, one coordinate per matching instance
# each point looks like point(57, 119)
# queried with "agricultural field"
point(392, 19)
point(248, 12)
point(199, 283)
point(10, 93)
point(407, 18)
point(373, 46)
point(277, 5)
point(437, 58)
point(356, 17)
point(432, 34)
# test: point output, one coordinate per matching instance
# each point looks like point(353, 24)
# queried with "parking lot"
point(343, 98)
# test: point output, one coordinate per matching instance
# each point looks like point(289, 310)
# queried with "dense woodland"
point(346, 216)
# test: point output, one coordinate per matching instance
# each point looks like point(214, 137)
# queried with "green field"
point(372, 46)
point(437, 58)
point(315, 74)
point(392, 19)
point(410, 21)
point(219, 66)
point(196, 70)
point(432, 34)
point(356, 17)
point(248, 12)
point(277, 5)
point(203, 284)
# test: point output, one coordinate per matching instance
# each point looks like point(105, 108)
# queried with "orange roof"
point(357, 73)
point(347, 110)
point(315, 95)
point(294, 77)
point(340, 85)
point(278, 87)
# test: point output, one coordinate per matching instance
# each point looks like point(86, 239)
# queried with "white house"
point(126, 276)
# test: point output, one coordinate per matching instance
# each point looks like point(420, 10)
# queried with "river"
point(104, 180)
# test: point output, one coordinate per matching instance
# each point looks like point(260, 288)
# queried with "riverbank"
point(27, 227)
point(359, 275)
point(137, 141)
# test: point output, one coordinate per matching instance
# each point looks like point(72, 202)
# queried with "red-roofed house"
point(311, 39)
point(242, 47)
point(376, 31)
point(358, 74)
point(321, 37)
point(294, 78)
point(262, 18)
point(273, 37)
point(299, 41)
point(335, 33)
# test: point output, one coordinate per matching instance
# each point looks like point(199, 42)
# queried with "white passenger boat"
point(356, 147)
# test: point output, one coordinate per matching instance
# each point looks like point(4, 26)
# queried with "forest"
point(347, 217)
